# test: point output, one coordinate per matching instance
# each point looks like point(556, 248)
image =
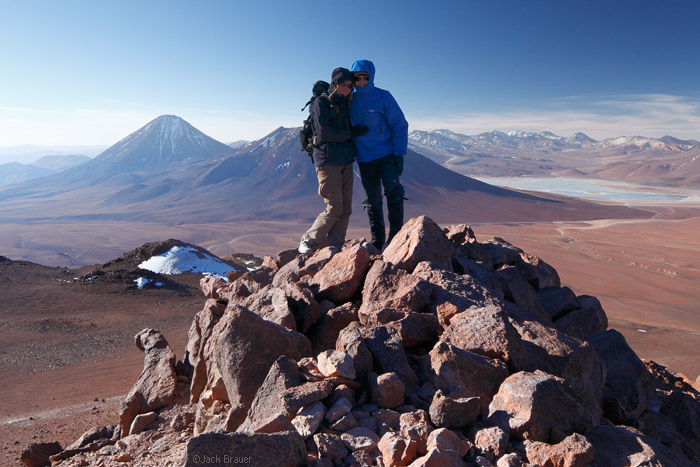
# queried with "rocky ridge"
point(439, 351)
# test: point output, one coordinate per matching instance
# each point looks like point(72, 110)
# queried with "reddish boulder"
point(561, 355)
point(333, 363)
point(510, 460)
point(535, 405)
point(451, 293)
point(622, 445)
point(453, 369)
point(491, 442)
point(502, 253)
point(325, 332)
point(246, 347)
point(257, 279)
point(285, 256)
point(467, 252)
point(268, 402)
point(538, 273)
point(449, 412)
point(585, 321)
point(268, 262)
point(439, 458)
point(142, 421)
point(37, 454)
point(199, 334)
point(156, 386)
point(303, 306)
point(282, 394)
point(416, 329)
point(212, 286)
point(309, 419)
point(296, 397)
point(416, 426)
point(487, 331)
point(99, 435)
point(341, 278)
point(385, 344)
point(629, 386)
point(397, 449)
point(447, 440)
point(289, 271)
point(270, 303)
point(329, 446)
point(420, 239)
point(518, 290)
point(350, 341)
point(684, 409)
point(460, 234)
point(387, 290)
point(360, 439)
point(558, 302)
point(338, 410)
point(387, 390)
point(316, 262)
point(574, 451)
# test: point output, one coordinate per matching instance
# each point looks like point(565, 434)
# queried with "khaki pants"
point(335, 187)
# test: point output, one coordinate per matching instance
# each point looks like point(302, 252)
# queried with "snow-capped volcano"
point(165, 143)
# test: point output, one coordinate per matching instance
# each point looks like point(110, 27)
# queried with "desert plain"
point(68, 353)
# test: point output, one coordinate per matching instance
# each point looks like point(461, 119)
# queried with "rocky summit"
point(440, 351)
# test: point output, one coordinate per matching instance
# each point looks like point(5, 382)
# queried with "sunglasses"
point(349, 86)
point(361, 78)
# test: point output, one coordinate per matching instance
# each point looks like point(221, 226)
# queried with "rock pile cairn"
point(438, 351)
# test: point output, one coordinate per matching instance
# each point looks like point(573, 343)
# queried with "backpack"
point(306, 134)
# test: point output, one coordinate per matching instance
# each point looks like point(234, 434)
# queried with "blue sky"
point(91, 72)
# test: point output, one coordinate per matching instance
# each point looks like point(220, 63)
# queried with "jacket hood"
point(365, 65)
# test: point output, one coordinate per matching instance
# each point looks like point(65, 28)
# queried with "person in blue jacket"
point(380, 152)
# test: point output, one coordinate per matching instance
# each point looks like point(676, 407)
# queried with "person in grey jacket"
point(334, 153)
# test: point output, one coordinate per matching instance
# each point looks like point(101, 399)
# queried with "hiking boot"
point(371, 249)
point(305, 248)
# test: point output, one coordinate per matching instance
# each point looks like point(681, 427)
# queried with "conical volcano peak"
point(168, 122)
point(169, 127)
point(165, 142)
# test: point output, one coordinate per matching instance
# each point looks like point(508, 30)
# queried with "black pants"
point(383, 171)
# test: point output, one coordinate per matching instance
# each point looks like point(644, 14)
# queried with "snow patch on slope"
point(180, 259)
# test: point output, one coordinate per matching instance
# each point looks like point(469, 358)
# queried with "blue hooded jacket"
point(377, 109)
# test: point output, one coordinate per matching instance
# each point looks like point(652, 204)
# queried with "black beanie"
point(341, 75)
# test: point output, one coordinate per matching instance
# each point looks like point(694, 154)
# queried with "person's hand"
point(358, 130)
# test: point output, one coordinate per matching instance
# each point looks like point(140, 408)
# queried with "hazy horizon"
point(28, 153)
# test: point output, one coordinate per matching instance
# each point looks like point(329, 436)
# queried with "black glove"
point(358, 130)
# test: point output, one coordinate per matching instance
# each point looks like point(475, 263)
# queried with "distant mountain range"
point(16, 172)
point(171, 172)
point(544, 140)
point(661, 161)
